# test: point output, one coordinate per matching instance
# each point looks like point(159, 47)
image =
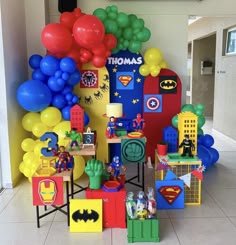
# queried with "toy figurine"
point(63, 158)
point(187, 145)
point(115, 166)
point(75, 139)
point(139, 123)
point(141, 206)
point(111, 127)
point(151, 203)
point(131, 206)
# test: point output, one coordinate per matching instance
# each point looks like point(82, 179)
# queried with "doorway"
point(202, 72)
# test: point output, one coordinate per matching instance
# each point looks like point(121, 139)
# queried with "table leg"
point(37, 215)
point(68, 203)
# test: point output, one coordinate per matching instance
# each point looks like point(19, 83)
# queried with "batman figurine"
point(187, 145)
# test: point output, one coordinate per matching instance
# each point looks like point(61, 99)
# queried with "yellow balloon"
point(155, 71)
point(163, 64)
point(38, 146)
point(22, 167)
point(29, 157)
point(28, 144)
point(29, 119)
point(39, 129)
point(51, 116)
point(144, 70)
point(79, 165)
point(27, 172)
point(60, 129)
point(153, 56)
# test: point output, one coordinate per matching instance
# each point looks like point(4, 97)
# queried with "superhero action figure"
point(63, 158)
point(151, 203)
point(131, 206)
point(115, 167)
point(187, 145)
point(139, 123)
point(75, 139)
point(111, 127)
point(141, 206)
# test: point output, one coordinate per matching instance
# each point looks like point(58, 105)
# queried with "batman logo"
point(168, 84)
point(85, 215)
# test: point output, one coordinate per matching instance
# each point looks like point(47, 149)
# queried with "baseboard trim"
point(214, 131)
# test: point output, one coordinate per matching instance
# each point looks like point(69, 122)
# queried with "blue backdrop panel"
point(126, 87)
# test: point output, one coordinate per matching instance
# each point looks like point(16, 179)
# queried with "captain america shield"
point(152, 103)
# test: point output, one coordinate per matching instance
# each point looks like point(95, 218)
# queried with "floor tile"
point(23, 234)
point(208, 208)
point(210, 231)
point(59, 234)
point(226, 200)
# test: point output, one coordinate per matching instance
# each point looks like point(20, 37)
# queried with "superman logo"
point(170, 193)
point(125, 80)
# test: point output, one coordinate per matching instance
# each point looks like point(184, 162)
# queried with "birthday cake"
point(114, 109)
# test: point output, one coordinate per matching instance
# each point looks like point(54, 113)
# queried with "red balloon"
point(77, 12)
point(56, 38)
point(99, 49)
point(110, 41)
point(88, 31)
point(68, 19)
point(86, 53)
point(99, 61)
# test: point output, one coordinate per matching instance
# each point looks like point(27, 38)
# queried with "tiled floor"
point(211, 223)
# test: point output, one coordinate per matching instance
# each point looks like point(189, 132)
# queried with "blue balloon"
point(74, 78)
point(37, 74)
point(66, 113)
point(204, 155)
point(75, 99)
point(34, 61)
point(59, 101)
point(49, 65)
point(53, 84)
point(61, 82)
point(67, 64)
point(58, 74)
point(67, 89)
point(69, 96)
point(208, 140)
point(86, 119)
point(33, 95)
point(214, 155)
point(65, 76)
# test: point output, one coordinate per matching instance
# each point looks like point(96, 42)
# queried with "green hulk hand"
point(94, 169)
point(133, 152)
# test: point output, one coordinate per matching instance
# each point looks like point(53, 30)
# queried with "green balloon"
point(200, 131)
point(132, 17)
point(201, 121)
point(144, 35)
point(114, 8)
point(122, 20)
point(100, 13)
point(118, 33)
point(188, 107)
point(200, 109)
point(128, 33)
point(112, 15)
point(199, 112)
point(174, 121)
point(134, 46)
point(110, 26)
point(139, 23)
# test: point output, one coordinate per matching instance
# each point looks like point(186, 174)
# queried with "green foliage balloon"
point(175, 121)
point(129, 30)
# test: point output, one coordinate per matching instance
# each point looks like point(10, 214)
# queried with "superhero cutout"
point(111, 127)
point(187, 145)
point(63, 159)
point(75, 139)
point(139, 123)
point(115, 166)
point(47, 191)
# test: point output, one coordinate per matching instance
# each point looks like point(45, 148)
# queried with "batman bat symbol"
point(168, 84)
point(85, 215)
